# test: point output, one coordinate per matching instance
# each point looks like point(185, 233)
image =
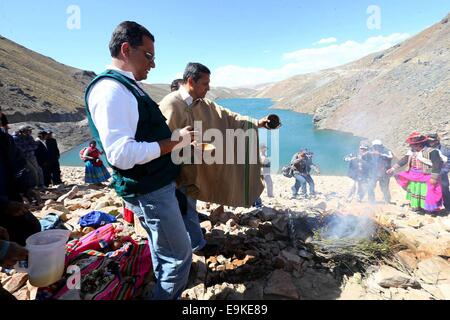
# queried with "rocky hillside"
point(385, 95)
point(37, 90)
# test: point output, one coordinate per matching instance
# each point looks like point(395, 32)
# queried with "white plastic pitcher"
point(46, 257)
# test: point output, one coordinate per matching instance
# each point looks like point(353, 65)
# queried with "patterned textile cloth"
point(93, 174)
point(115, 275)
point(420, 192)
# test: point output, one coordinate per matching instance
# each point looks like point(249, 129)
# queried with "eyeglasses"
point(149, 56)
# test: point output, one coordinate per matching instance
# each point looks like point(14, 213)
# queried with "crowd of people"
point(425, 179)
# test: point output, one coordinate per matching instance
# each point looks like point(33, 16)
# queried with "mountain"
point(41, 92)
point(385, 95)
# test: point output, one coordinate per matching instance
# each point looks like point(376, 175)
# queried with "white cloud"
point(304, 61)
point(327, 41)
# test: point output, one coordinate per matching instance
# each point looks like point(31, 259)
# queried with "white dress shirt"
point(186, 96)
point(114, 111)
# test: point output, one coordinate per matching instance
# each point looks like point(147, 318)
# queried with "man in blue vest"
point(137, 143)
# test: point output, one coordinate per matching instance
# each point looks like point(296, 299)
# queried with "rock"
point(195, 293)
point(445, 290)
point(433, 291)
point(49, 202)
point(413, 238)
point(101, 204)
point(70, 195)
point(290, 257)
point(237, 292)
point(62, 212)
point(280, 283)
point(269, 237)
point(434, 271)
point(253, 222)
point(322, 205)
point(254, 291)
point(221, 268)
point(73, 205)
point(446, 224)
point(280, 224)
point(221, 259)
point(268, 214)
point(22, 294)
point(438, 247)
point(94, 195)
point(415, 223)
point(408, 258)
point(305, 254)
point(214, 217)
point(353, 291)
point(32, 291)
point(265, 228)
point(199, 265)
point(17, 281)
point(111, 210)
point(138, 229)
point(388, 277)
point(206, 225)
point(231, 224)
point(410, 294)
point(224, 291)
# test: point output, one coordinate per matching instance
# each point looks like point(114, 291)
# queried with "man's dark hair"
point(128, 31)
point(176, 84)
point(93, 142)
point(194, 71)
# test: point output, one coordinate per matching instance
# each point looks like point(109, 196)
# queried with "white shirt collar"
point(185, 95)
point(125, 73)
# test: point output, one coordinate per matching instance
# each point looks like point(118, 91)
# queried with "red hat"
point(416, 138)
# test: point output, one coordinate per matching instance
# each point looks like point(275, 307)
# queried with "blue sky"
point(244, 42)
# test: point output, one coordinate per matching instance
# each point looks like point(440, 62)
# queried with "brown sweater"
point(233, 184)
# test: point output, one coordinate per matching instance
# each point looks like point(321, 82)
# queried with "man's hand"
point(15, 253)
point(262, 123)
point(16, 209)
point(390, 171)
point(187, 137)
point(4, 235)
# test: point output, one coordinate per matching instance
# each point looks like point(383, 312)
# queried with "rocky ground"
point(265, 254)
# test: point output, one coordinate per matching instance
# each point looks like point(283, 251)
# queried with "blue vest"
point(151, 127)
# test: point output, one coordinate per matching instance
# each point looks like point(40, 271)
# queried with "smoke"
point(348, 227)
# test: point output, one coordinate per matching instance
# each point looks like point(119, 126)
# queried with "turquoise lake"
point(297, 132)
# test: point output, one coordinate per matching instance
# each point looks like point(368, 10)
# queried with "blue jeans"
point(193, 224)
point(169, 241)
point(300, 183)
point(384, 185)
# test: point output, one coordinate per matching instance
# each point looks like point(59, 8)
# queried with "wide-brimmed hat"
point(364, 146)
point(416, 138)
point(377, 142)
point(25, 128)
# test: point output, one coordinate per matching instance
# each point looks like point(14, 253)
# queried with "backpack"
point(287, 171)
point(82, 151)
